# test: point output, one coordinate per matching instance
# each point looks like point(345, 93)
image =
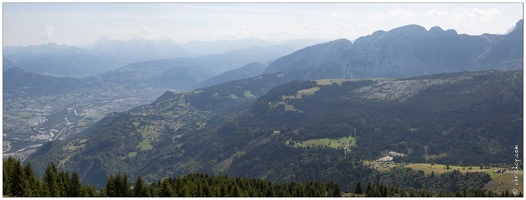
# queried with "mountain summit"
point(409, 51)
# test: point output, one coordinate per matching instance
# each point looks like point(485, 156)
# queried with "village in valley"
point(30, 122)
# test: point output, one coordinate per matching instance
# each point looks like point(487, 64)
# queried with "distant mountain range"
point(60, 60)
point(20, 83)
point(136, 50)
point(410, 51)
point(402, 52)
point(222, 46)
point(106, 55)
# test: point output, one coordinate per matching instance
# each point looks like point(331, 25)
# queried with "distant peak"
point(436, 29)
point(16, 70)
point(413, 28)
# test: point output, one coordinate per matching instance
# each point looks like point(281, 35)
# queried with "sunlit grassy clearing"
point(145, 145)
point(233, 96)
point(248, 94)
point(132, 154)
point(332, 143)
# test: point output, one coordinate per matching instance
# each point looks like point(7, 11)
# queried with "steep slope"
point(446, 118)
point(20, 83)
point(177, 109)
point(409, 51)
point(249, 70)
point(506, 53)
point(330, 54)
point(7, 64)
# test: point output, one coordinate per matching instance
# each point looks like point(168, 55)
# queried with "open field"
point(248, 94)
point(307, 92)
point(332, 143)
point(5, 143)
point(506, 181)
point(169, 113)
point(82, 123)
point(331, 81)
point(340, 81)
point(132, 154)
point(439, 168)
point(145, 131)
point(145, 145)
point(499, 182)
point(62, 162)
point(25, 114)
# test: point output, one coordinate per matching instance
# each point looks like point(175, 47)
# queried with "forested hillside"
point(239, 129)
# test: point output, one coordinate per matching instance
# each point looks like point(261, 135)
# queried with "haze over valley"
point(424, 108)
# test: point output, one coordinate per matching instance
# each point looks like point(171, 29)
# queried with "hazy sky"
point(83, 23)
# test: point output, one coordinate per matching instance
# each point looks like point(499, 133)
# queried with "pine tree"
point(178, 187)
point(166, 189)
point(111, 190)
point(269, 191)
point(412, 192)
point(90, 191)
point(17, 180)
point(75, 187)
point(185, 191)
point(6, 182)
point(13, 180)
point(383, 190)
point(335, 189)
point(369, 189)
point(358, 189)
point(63, 183)
point(125, 186)
point(51, 187)
point(139, 190)
point(31, 183)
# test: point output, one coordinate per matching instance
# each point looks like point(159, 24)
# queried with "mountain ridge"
point(193, 127)
point(410, 51)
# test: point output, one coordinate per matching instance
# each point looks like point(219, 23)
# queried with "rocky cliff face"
point(506, 53)
point(410, 51)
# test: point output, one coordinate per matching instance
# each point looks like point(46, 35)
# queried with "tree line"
point(20, 181)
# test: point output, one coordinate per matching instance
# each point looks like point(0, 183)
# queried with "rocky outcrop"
point(410, 51)
point(506, 53)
